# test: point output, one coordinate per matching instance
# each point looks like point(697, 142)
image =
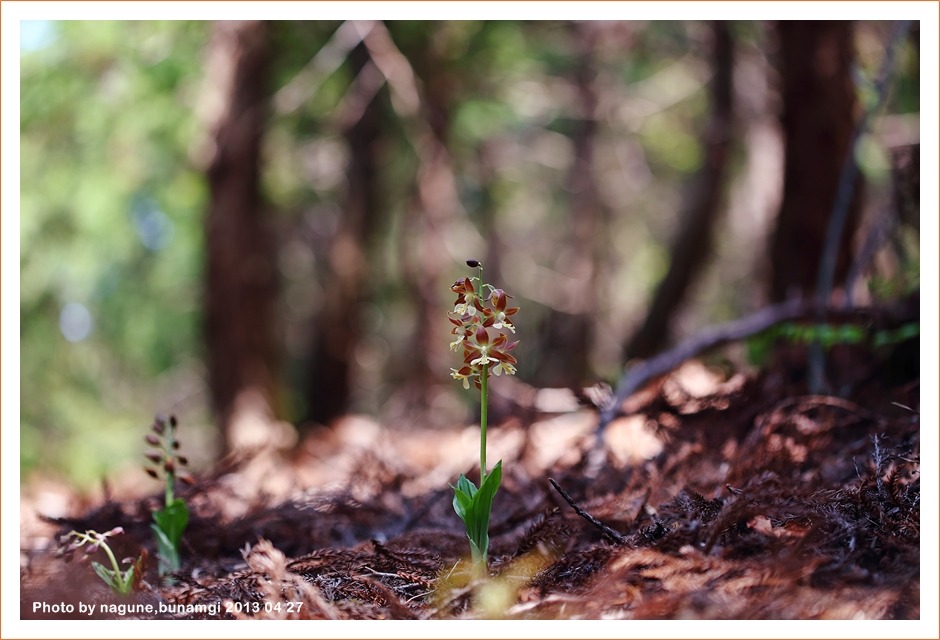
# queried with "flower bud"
point(152, 473)
point(173, 421)
point(473, 264)
point(152, 440)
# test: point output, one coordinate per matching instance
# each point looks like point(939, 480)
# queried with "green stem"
point(168, 492)
point(114, 563)
point(483, 376)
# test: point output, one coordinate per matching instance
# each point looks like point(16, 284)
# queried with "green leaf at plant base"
point(478, 555)
point(168, 527)
point(473, 506)
point(466, 485)
point(478, 519)
point(119, 583)
point(105, 575)
point(167, 552)
point(463, 496)
point(172, 520)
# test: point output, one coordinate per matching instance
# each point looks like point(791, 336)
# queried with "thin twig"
point(419, 514)
point(642, 509)
point(610, 533)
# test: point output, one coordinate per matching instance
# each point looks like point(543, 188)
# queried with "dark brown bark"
point(819, 116)
point(693, 240)
point(240, 274)
point(905, 183)
point(336, 334)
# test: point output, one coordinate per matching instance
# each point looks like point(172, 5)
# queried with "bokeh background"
point(255, 224)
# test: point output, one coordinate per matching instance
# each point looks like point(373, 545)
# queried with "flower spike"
point(480, 321)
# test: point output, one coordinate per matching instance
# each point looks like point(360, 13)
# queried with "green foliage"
point(121, 583)
point(889, 337)
point(169, 524)
point(111, 220)
point(828, 335)
point(473, 507)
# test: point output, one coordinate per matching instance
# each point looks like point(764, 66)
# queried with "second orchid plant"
point(482, 320)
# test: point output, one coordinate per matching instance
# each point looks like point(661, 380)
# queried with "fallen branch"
point(639, 374)
point(534, 401)
point(618, 538)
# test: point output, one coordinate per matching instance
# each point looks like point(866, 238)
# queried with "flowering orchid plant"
point(121, 582)
point(481, 318)
point(170, 521)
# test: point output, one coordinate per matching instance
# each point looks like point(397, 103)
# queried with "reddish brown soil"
point(754, 501)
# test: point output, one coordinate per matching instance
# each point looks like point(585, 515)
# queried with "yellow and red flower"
point(479, 321)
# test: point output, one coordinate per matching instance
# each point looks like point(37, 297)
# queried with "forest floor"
point(743, 498)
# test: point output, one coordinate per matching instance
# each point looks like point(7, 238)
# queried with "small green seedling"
point(170, 521)
point(481, 318)
point(120, 582)
point(827, 335)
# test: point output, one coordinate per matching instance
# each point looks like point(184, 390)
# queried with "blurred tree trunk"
point(336, 333)
point(567, 336)
point(425, 260)
point(240, 274)
point(487, 163)
point(693, 240)
point(819, 114)
point(435, 210)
